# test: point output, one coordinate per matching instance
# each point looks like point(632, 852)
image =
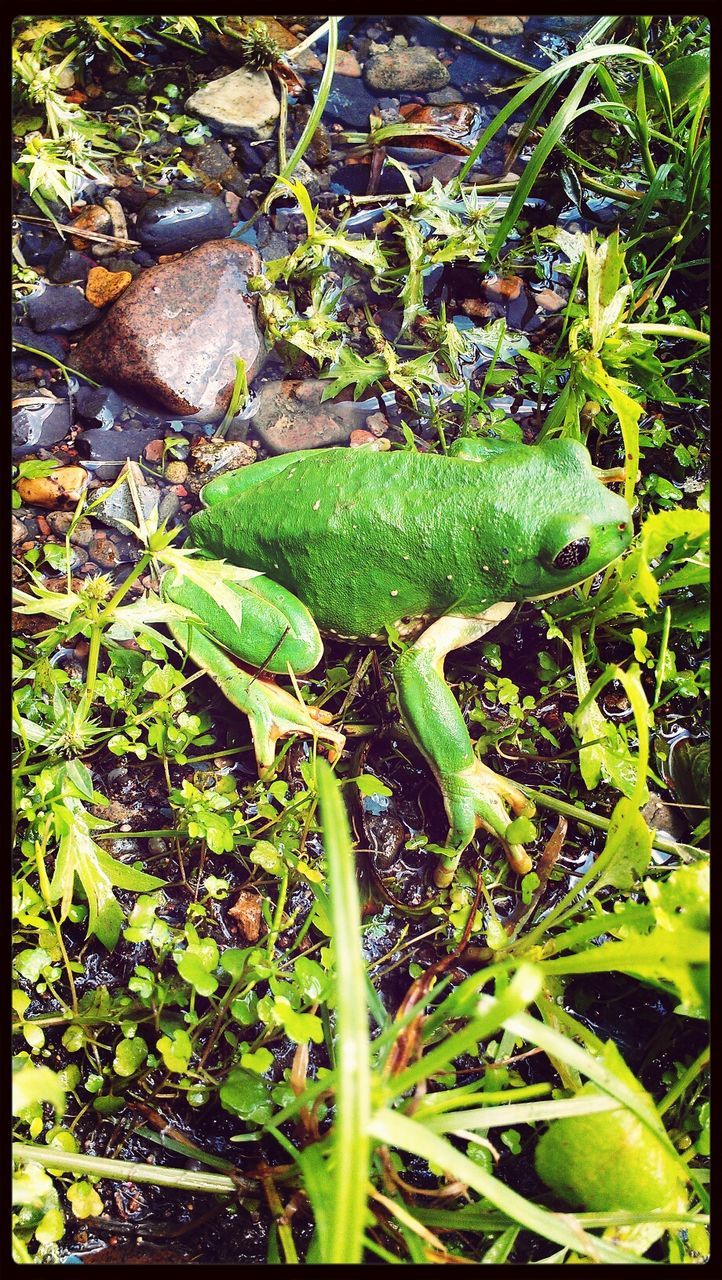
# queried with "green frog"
point(366, 546)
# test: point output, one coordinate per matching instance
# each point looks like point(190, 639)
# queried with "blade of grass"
point(351, 1145)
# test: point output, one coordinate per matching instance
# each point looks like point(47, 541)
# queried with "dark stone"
point(60, 307)
point(56, 347)
point(133, 198)
point(109, 450)
point(125, 263)
point(350, 102)
point(170, 224)
point(143, 258)
point(213, 160)
point(99, 406)
point(38, 245)
point(173, 336)
point(69, 266)
point(39, 425)
point(354, 178)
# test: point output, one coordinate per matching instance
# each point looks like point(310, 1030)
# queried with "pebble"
point(176, 472)
point(64, 484)
point(212, 160)
point(290, 415)
point(550, 300)
point(350, 102)
point(61, 308)
point(153, 451)
point(109, 450)
point(60, 522)
point(377, 423)
point(94, 218)
point(502, 26)
point(464, 24)
point(117, 506)
point(19, 530)
point(39, 424)
point(37, 244)
point(182, 220)
point(241, 104)
point(347, 64)
point(104, 286)
point(103, 551)
point(503, 287)
point(69, 266)
point(210, 458)
point(98, 406)
point(400, 69)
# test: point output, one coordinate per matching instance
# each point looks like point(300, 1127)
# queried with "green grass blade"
point(351, 1144)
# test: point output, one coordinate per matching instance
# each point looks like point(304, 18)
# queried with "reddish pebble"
point(359, 437)
point(43, 526)
point(153, 451)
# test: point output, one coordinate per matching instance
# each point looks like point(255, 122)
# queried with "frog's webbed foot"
point(476, 797)
point(274, 713)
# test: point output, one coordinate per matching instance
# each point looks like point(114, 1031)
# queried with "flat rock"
point(118, 505)
point(174, 335)
point(210, 458)
point(108, 451)
point(350, 102)
point(502, 25)
point(290, 416)
point(182, 220)
point(39, 423)
point(405, 70)
point(241, 104)
point(61, 308)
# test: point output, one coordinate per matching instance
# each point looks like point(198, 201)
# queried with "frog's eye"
point(575, 553)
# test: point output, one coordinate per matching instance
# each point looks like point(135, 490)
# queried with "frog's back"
point(364, 539)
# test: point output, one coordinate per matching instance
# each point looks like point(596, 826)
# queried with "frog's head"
point(579, 524)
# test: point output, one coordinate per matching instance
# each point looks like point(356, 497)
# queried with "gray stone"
point(290, 416)
point(182, 220)
point(350, 103)
point(502, 26)
point(118, 506)
point(406, 70)
point(241, 104)
point(109, 450)
point(61, 308)
point(41, 422)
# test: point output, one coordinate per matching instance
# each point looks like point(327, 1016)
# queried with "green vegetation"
point(405, 1082)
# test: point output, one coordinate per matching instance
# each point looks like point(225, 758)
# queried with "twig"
point(478, 44)
point(118, 241)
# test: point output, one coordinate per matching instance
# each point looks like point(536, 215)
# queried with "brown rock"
point(502, 25)
point(290, 416)
point(96, 219)
point(176, 472)
point(246, 914)
point(174, 335)
point(464, 24)
point(550, 300)
point(503, 287)
point(104, 286)
point(210, 458)
point(19, 530)
point(475, 308)
point(361, 437)
point(64, 484)
point(377, 424)
point(346, 64)
point(153, 451)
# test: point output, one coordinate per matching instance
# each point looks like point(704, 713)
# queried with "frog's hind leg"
point(474, 796)
point(262, 624)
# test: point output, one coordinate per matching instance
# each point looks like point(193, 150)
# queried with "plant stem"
point(188, 1180)
point(664, 843)
point(669, 331)
point(66, 368)
point(678, 1088)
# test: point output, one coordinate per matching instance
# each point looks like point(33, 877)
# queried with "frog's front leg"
point(474, 795)
point(265, 626)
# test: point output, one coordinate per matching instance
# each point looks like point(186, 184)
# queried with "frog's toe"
point(477, 798)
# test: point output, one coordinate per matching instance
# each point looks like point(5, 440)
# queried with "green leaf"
point(244, 1094)
point(130, 1054)
point(84, 1200)
point(300, 1027)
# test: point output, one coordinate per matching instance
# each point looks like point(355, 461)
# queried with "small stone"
point(60, 522)
point(350, 102)
point(213, 161)
point(308, 63)
point(550, 300)
point(153, 451)
point(347, 64)
point(169, 506)
point(98, 406)
point(176, 472)
point(377, 423)
point(104, 286)
point(40, 422)
point(60, 307)
point(241, 104)
point(290, 415)
point(443, 97)
point(64, 484)
point(174, 335)
point(44, 343)
point(246, 915)
point(109, 450)
point(361, 437)
point(503, 287)
point(38, 245)
point(103, 551)
point(406, 70)
point(502, 26)
point(69, 266)
point(117, 507)
point(464, 24)
point(182, 220)
point(19, 530)
point(95, 219)
point(210, 458)
point(475, 308)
